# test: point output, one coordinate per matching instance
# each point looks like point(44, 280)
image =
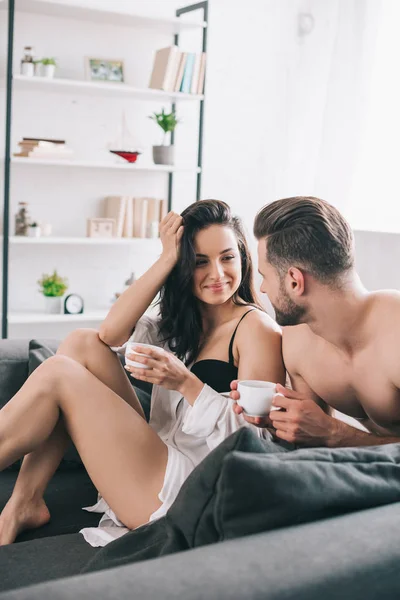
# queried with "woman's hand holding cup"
point(171, 230)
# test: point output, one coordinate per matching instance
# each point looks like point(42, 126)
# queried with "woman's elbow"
point(107, 336)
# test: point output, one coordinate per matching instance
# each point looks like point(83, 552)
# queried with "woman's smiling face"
point(218, 270)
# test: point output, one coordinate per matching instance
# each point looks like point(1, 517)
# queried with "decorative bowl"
point(127, 155)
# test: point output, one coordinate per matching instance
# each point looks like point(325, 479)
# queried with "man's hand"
point(300, 420)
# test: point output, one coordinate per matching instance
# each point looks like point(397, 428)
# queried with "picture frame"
point(101, 228)
point(104, 69)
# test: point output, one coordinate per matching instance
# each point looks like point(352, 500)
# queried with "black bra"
point(218, 374)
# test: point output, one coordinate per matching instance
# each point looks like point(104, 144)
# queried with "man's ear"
point(296, 281)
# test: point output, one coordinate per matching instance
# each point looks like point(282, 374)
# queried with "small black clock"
point(73, 305)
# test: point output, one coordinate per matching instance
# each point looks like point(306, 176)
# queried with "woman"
point(204, 275)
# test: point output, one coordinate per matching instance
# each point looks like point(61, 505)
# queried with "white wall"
point(284, 115)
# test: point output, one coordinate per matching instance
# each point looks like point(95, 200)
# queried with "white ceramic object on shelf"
point(48, 70)
point(53, 305)
point(34, 231)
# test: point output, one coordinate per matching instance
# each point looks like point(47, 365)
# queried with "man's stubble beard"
point(288, 312)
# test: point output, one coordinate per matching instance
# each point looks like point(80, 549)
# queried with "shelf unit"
point(109, 17)
point(90, 241)
point(40, 162)
point(16, 82)
point(22, 318)
point(77, 86)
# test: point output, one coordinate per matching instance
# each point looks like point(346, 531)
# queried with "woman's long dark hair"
point(181, 323)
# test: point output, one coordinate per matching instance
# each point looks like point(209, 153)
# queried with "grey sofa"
point(348, 556)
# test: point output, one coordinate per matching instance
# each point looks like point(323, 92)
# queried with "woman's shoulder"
point(257, 329)
point(258, 318)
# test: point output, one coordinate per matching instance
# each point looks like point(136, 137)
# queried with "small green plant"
point(34, 224)
point(167, 121)
point(48, 61)
point(53, 285)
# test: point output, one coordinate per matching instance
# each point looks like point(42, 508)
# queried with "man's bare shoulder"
point(296, 342)
point(385, 304)
point(385, 330)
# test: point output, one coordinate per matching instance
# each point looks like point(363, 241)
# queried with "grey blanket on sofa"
point(247, 486)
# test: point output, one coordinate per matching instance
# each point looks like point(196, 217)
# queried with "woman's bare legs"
point(26, 507)
point(124, 457)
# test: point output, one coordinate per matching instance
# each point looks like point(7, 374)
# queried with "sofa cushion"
point(247, 486)
point(13, 368)
point(261, 492)
point(43, 559)
point(38, 351)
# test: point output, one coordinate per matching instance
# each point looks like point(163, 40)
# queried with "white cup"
point(256, 397)
point(130, 348)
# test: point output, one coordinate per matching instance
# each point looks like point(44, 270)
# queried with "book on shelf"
point(46, 149)
point(165, 69)
point(128, 221)
point(29, 140)
point(181, 70)
point(135, 217)
point(202, 74)
point(186, 84)
point(163, 208)
point(115, 208)
point(195, 74)
point(175, 71)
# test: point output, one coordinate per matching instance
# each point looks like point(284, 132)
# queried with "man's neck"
point(338, 314)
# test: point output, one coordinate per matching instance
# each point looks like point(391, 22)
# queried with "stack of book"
point(135, 217)
point(43, 148)
point(175, 71)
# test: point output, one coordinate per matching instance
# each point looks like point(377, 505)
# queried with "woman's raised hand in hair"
point(171, 230)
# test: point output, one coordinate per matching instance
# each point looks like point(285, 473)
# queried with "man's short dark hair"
point(308, 233)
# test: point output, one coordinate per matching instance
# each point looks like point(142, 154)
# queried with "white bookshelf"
point(26, 318)
point(75, 101)
point(78, 86)
point(69, 10)
point(121, 166)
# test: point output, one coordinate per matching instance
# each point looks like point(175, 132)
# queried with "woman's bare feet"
point(19, 515)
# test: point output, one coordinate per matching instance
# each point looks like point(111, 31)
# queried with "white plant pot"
point(27, 69)
point(48, 70)
point(163, 155)
point(53, 305)
point(34, 232)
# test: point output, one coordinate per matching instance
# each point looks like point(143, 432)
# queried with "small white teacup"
point(256, 397)
point(130, 348)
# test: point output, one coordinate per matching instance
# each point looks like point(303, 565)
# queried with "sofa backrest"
point(14, 365)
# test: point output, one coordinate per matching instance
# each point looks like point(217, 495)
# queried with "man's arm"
point(303, 420)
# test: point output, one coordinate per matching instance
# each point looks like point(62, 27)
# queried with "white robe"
point(190, 432)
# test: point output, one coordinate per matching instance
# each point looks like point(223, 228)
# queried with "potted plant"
point(164, 155)
point(34, 230)
point(49, 66)
point(53, 287)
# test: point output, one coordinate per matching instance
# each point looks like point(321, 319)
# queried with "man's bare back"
point(363, 383)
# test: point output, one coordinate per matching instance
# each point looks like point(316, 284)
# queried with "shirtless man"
point(341, 343)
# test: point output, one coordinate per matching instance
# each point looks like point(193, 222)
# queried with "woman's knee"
point(81, 340)
point(53, 370)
